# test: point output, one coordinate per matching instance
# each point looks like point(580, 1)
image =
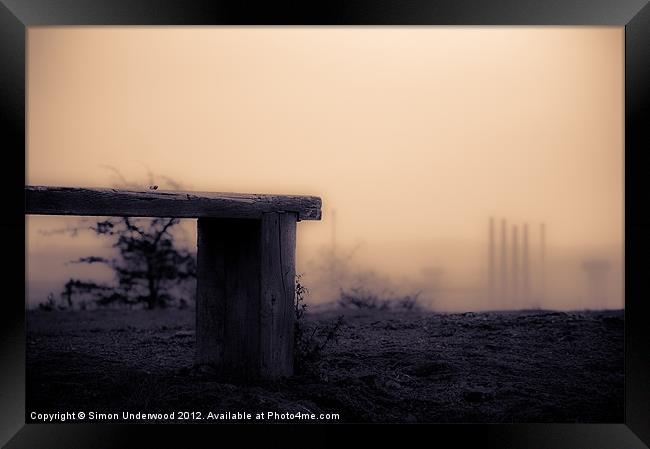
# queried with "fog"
point(412, 136)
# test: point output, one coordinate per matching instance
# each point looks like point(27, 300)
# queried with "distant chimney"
point(503, 290)
point(514, 294)
point(542, 243)
point(525, 268)
point(491, 260)
point(333, 261)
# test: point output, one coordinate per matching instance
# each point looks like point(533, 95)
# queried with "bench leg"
point(245, 296)
point(278, 290)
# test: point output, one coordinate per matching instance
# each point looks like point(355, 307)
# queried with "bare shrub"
point(365, 298)
point(310, 340)
point(150, 268)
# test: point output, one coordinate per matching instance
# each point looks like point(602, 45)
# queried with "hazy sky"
point(415, 135)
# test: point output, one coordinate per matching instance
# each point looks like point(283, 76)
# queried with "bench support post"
point(245, 296)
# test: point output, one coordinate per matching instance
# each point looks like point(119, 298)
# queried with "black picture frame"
point(17, 15)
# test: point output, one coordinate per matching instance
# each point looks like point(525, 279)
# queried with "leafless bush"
point(149, 266)
point(310, 340)
point(365, 298)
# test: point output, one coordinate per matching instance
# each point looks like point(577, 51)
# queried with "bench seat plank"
point(42, 200)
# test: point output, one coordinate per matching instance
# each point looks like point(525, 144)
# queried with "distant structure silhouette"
point(525, 268)
point(503, 290)
point(515, 299)
point(491, 264)
point(510, 282)
point(542, 267)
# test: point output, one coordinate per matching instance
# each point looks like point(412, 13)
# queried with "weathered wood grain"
point(228, 297)
point(277, 279)
point(41, 200)
point(210, 293)
point(245, 296)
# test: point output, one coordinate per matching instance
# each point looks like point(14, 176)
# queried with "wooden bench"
point(245, 266)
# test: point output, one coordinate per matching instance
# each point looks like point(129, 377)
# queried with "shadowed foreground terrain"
point(386, 367)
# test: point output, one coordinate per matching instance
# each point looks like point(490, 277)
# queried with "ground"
point(387, 366)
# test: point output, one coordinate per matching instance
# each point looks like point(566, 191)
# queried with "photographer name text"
point(181, 416)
